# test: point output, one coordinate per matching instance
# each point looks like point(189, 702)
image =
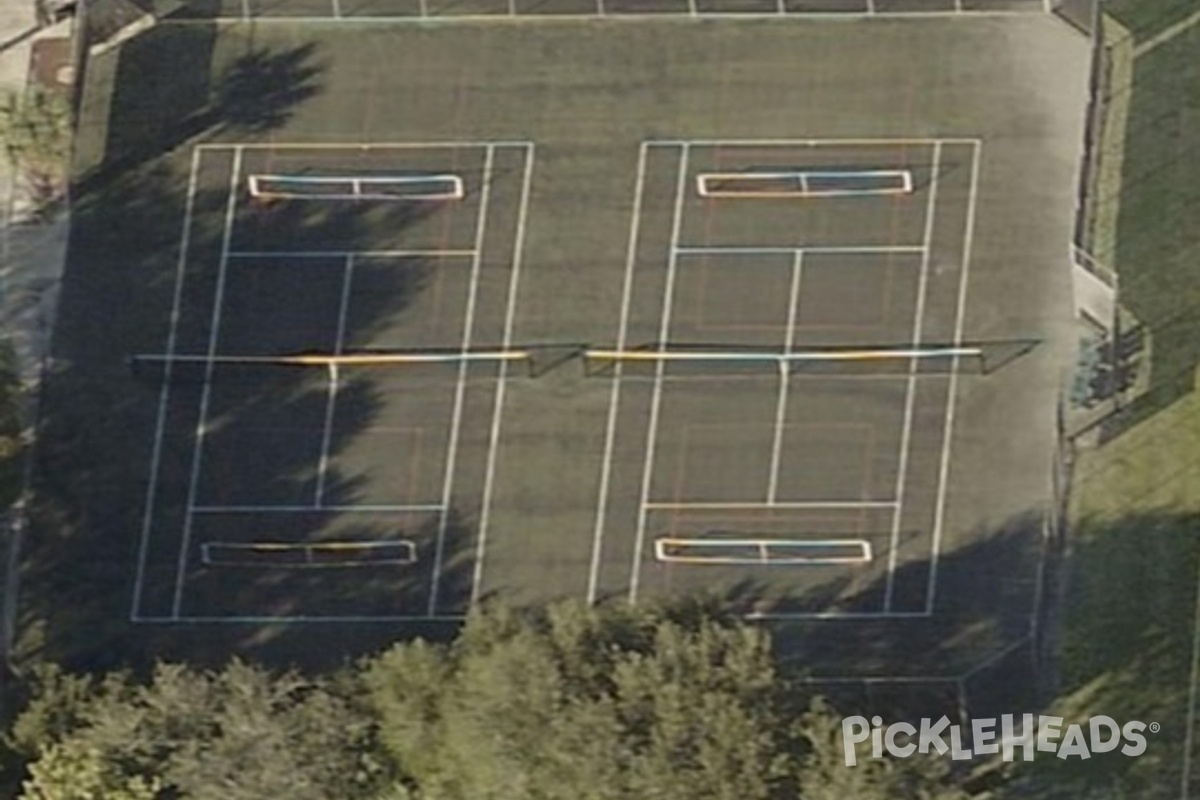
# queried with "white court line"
point(267, 620)
point(614, 398)
point(235, 171)
point(352, 254)
point(1185, 779)
point(871, 7)
point(667, 505)
point(364, 146)
point(785, 379)
point(910, 389)
point(599, 9)
point(510, 315)
point(185, 238)
point(948, 427)
point(664, 333)
point(752, 250)
point(693, 11)
point(460, 389)
point(530, 19)
point(340, 509)
point(423, 7)
point(336, 7)
point(783, 615)
point(334, 381)
point(899, 142)
point(781, 7)
point(246, 16)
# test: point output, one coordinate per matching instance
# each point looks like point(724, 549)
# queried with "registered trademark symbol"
point(1155, 727)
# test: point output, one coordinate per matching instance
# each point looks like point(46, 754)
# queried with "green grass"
point(1129, 617)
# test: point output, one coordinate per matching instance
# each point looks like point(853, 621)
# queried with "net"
point(200, 369)
point(804, 183)
point(762, 551)
point(308, 554)
point(349, 187)
point(684, 363)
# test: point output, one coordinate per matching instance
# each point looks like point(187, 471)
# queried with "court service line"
point(664, 332)
point(336, 7)
point(614, 397)
point(510, 315)
point(785, 378)
point(693, 11)
point(670, 505)
point(948, 425)
point(910, 389)
point(352, 254)
point(235, 171)
point(164, 393)
point(781, 7)
point(246, 15)
point(460, 388)
point(339, 344)
point(335, 508)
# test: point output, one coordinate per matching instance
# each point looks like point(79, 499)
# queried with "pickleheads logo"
point(1098, 735)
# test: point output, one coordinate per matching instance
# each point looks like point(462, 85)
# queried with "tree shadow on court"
point(98, 423)
point(174, 84)
point(1102, 623)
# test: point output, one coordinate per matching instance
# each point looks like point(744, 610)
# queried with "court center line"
point(460, 388)
point(948, 425)
point(781, 7)
point(668, 505)
point(206, 392)
point(336, 7)
point(246, 15)
point(423, 9)
point(164, 392)
point(785, 378)
point(510, 316)
point(334, 382)
point(910, 388)
point(664, 333)
point(614, 397)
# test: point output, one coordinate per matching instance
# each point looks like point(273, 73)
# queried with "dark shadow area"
point(975, 654)
point(153, 110)
point(100, 419)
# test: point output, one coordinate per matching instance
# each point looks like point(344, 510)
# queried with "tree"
point(239, 734)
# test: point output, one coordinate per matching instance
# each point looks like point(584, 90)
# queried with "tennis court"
point(261, 463)
point(801, 370)
point(456, 326)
